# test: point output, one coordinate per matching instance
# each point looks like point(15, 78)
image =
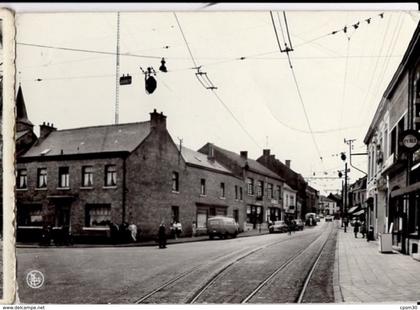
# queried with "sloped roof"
point(288, 187)
point(252, 164)
point(200, 159)
point(20, 134)
point(88, 140)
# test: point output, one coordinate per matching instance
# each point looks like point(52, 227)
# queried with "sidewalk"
point(364, 275)
point(249, 233)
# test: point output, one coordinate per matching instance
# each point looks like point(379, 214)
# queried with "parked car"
point(278, 226)
point(222, 227)
point(329, 218)
point(299, 224)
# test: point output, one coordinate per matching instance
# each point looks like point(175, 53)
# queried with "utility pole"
point(117, 72)
point(349, 142)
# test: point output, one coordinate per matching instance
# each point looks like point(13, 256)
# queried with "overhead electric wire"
point(287, 29)
point(86, 50)
point(373, 74)
point(185, 40)
point(213, 90)
point(299, 95)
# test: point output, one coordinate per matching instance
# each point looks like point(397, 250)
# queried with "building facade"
point(393, 183)
point(87, 178)
point(263, 188)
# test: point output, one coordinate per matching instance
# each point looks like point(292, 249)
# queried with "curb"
point(126, 245)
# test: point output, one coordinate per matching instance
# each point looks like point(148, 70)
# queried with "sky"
point(337, 79)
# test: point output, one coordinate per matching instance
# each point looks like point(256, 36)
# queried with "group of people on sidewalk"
point(359, 227)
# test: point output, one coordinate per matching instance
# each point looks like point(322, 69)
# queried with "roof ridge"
point(99, 126)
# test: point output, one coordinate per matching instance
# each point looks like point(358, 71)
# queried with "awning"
point(352, 209)
point(406, 190)
point(358, 213)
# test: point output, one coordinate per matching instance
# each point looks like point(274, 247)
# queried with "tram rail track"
point(185, 274)
point(268, 278)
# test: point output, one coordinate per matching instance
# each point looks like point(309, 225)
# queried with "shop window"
point(42, 177)
point(22, 179)
point(110, 175)
point(63, 177)
point(175, 181)
point(87, 176)
point(29, 215)
point(98, 215)
point(212, 211)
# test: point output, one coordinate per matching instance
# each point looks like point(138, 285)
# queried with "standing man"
point(162, 236)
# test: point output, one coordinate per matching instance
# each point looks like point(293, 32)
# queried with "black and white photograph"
point(226, 157)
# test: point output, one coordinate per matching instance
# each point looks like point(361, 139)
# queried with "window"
point(240, 193)
point(222, 190)
point(63, 177)
point(87, 176)
point(110, 175)
point(236, 192)
point(393, 140)
point(203, 187)
point(250, 184)
point(175, 181)
point(212, 211)
point(42, 177)
point(98, 215)
point(292, 200)
point(279, 192)
point(29, 215)
point(260, 189)
point(22, 179)
point(175, 214)
point(270, 193)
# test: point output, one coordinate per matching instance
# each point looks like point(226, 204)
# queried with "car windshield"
point(278, 222)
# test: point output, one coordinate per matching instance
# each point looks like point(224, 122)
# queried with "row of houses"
point(87, 178)
point(393, 179)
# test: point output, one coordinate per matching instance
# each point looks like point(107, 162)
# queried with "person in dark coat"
point(162, 236)
point(356, 228)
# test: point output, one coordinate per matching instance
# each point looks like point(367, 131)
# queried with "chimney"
point(287, 161)
point(45, 129)
point(266, 152)
point(210, 154)
point(157, 120)
point(244, 154)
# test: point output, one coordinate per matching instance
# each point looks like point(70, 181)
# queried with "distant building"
point(328, 206)
point(306, 199)
point(263, 188)
point(289, 203)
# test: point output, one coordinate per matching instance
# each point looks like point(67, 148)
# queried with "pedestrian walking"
point(356, 228)
point(363, 229)
point(162, 236)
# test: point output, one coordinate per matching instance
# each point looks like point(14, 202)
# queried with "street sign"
point(409, 141)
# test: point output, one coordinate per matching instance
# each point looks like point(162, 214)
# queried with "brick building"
point(306, 199)
point(263, 191)
point(86, 178)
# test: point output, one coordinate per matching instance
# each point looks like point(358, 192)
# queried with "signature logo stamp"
point(35, 279)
